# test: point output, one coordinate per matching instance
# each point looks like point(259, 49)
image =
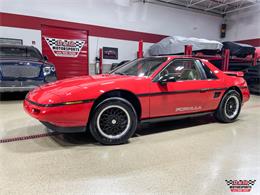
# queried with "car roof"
point(16, 46)
point(175, 56)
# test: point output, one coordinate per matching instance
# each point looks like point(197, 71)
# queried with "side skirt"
point(175, 117)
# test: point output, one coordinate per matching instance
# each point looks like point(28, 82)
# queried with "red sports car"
point(154, 88)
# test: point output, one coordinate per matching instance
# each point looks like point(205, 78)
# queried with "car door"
point(189, 93)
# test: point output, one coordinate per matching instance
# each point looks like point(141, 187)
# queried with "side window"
point(182, 70)
point(208, 73)
point(32, 53)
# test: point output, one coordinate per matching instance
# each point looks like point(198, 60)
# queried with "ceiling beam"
point(195, 3)
point(222, 4)
point(237, 9)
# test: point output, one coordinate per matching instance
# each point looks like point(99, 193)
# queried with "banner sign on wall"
point(65, 47)
point(110, 53)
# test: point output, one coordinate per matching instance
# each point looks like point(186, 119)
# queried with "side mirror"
point(45, 58)
point(166, 78)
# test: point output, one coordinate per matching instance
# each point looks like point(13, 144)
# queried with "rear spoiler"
point(232, 73)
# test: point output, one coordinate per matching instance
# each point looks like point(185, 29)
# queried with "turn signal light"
point(76, 102)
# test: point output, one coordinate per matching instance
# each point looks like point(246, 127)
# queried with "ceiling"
point(218, 7)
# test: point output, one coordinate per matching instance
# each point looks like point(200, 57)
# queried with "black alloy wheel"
point(114, 121)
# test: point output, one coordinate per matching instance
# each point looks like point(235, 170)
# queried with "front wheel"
point(113, 122)
point(229, 107)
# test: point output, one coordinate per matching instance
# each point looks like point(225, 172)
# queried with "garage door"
point(67, 49)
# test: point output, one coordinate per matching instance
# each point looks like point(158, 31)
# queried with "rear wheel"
point(113, 122)
point(229, 107)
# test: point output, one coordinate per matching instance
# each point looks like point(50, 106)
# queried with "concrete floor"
point(192, 156)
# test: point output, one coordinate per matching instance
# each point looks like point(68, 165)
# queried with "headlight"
point(47, 70)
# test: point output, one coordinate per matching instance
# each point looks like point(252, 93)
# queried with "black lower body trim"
point(60, 104)
point(175, 117)
point(64, 129)
point(180, 92)
point(243, 87)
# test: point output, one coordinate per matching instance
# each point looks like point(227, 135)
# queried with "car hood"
point(20, 61)
point(61, 86)
point(78, 88)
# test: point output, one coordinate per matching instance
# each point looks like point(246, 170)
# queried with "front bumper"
point(19, 86)
point(64, 129)
point(62, 118)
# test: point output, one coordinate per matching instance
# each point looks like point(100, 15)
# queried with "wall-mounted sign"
point(65, 47)
point(110, 53)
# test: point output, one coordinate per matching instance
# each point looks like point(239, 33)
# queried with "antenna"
point(97, 49)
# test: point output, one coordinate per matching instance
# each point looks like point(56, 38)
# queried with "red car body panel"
point(47, 103)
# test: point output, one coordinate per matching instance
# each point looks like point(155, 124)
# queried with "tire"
point(229, 107)
point(114, 121)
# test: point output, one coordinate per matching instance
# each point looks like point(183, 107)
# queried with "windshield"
point(19, 52)
point(140, 67)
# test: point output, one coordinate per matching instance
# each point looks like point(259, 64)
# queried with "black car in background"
point(252, 77)
point(116, 65)
point(23, 68)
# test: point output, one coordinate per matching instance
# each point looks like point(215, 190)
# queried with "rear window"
point(19, 52)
